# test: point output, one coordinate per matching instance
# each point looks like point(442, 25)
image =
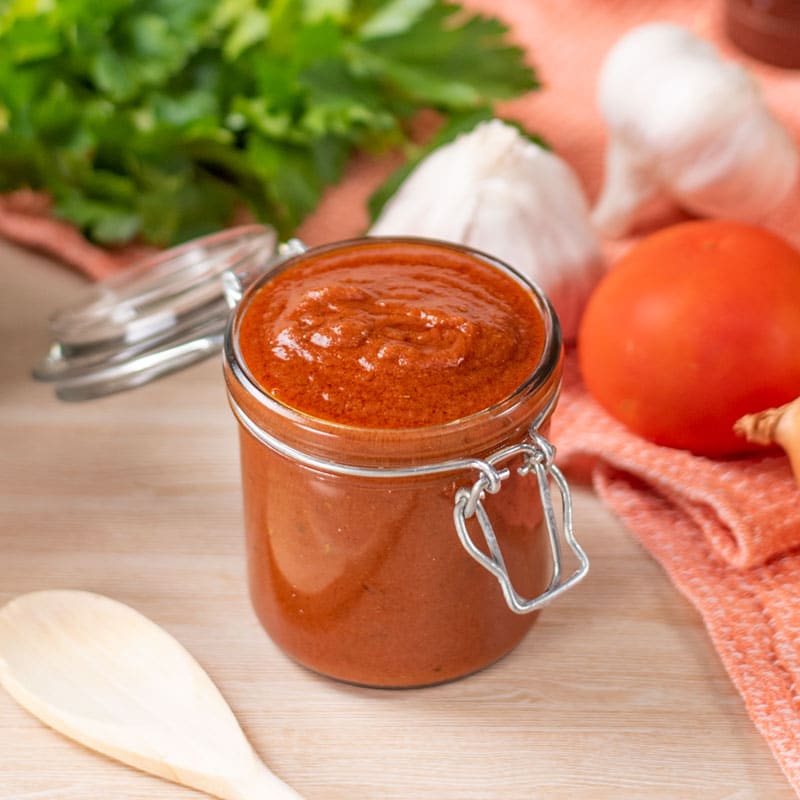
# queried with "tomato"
point(693, 327)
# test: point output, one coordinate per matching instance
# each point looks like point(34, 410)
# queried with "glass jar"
point(375, 555)
point(768, 30)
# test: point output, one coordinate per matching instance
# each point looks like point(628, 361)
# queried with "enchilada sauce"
point(363, 578)
point(391, 342)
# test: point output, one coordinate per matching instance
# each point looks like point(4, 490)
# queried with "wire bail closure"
point(538, 455)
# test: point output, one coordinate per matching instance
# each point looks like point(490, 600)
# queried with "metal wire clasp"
point(538, 454)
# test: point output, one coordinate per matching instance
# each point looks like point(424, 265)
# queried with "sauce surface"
point(391, 335)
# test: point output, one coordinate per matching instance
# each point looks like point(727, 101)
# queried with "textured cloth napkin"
point(726, 532)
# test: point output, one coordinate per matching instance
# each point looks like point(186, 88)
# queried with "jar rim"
point(541, 373)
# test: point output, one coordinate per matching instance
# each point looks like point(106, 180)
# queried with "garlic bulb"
point(686, 125)
point(495, 191)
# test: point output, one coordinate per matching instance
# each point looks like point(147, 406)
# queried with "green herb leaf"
point(158, 119)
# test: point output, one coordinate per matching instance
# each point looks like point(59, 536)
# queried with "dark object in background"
point(768, 30)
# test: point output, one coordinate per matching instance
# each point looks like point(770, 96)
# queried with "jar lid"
point(156, 317)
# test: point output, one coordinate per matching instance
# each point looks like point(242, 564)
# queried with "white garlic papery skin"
point(686, 125)
point(494, 190)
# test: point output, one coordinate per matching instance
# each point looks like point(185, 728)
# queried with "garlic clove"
point(495, 191)
point(745, 179)
point(779, 426)
point(687, 126)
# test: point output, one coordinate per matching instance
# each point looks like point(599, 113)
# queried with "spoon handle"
point(262, 784)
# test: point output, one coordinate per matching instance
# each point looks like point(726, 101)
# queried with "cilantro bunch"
point(157, 119)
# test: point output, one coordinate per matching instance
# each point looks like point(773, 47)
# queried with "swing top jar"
point(393, 397)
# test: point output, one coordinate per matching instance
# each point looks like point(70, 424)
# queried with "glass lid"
point(158, 316)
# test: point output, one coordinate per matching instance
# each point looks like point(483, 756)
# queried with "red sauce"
point(376, 343)
point(391, 336)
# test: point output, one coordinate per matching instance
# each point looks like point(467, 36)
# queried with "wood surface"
point(616, 692)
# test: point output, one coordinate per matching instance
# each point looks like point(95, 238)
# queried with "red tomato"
point(693, 327)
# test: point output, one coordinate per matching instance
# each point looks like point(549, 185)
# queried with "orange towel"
point(728, 533)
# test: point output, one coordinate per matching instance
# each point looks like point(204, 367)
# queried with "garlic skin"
point(495, 191)
point(686, 125)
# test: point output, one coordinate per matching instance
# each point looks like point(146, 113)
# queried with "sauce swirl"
point(384, 336)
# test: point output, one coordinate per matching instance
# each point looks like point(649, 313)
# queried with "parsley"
point(157, 119)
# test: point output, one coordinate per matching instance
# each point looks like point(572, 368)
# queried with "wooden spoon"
point(104, 675)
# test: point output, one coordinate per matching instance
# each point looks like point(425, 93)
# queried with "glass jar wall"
point(355, 566)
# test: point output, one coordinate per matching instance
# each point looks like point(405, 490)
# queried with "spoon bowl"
point(106, 676)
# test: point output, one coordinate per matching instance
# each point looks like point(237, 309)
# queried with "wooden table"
point(616, 693)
